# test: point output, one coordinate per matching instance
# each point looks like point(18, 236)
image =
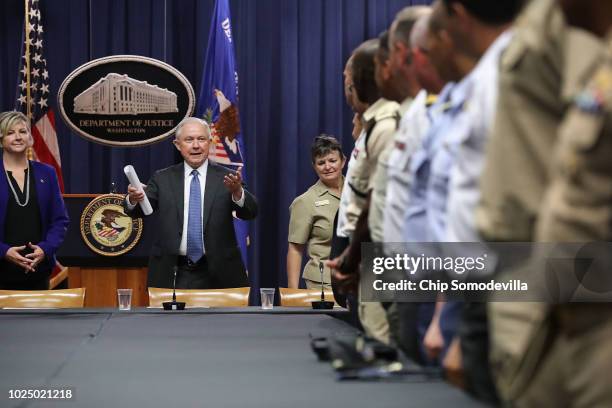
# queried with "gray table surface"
point(189, 359)
point(338, 311)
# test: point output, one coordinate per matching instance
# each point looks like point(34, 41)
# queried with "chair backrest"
point(231, 297)
point(58, 277)
point(36, 299)
point(303, 297)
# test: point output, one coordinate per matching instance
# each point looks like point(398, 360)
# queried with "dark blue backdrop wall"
point(290, 55)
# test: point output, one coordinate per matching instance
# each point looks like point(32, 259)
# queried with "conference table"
point(243, 357)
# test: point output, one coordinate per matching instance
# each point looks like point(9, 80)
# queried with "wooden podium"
point(102, 284)
point(103, 275)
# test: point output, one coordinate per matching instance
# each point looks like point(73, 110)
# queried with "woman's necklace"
point(27, 187)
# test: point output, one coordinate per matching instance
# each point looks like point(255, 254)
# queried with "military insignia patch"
point(105, 227)
point(594, 98)
point(590, 101)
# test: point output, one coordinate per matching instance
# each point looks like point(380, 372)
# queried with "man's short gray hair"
point(405, 21)
point(192, 119)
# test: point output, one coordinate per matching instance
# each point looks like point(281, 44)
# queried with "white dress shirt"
point(347, 193)
point(413, 126)
point(464, 187)
point(202, 171)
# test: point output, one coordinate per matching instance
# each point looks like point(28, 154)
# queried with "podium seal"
point(105, 227)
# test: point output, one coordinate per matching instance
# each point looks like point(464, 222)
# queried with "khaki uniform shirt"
point(383, 117)
point(538, 69)
point(543, 55)
point(529, 109)
point(578, 205)
point(312, 219)
point(379, 184)
point(577, 208)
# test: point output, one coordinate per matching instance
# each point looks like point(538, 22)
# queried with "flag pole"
point(26, 24)
point(27, 59)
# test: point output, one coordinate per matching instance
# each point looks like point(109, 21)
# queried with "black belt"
point(182, 260)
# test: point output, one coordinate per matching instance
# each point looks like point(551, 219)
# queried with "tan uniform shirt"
point(529, 109)
point(383, 117)
point(312, 219)
point(543, 55)
point(378, 184)
point(578, 205)
point(537, 70)
point(572, 364)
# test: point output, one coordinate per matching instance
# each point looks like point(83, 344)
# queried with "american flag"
point(217, 150)
point(218, 103)
point(33, 93)
point(107, 232)
point(33, 97)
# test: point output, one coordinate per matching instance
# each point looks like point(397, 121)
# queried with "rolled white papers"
point(135, 181)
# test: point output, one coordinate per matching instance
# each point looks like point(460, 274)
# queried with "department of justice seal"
point(105, 227)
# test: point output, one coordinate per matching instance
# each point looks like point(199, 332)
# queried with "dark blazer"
point(53, 214)
point(165, 191)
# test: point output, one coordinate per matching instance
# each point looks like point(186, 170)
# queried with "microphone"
point(174, 305)
point(322, 304)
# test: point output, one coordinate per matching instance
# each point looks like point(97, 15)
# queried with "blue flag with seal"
point(218, 103)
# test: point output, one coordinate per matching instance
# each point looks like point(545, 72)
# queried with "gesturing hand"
point(233, 182)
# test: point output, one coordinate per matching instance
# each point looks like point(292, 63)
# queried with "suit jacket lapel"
point(41, 181)
point(178, 187)
point(4, 192)
point(213, 182)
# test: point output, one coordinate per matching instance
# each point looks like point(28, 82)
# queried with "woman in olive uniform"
point(312, 215)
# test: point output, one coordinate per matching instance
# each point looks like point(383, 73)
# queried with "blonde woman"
point(33, 218)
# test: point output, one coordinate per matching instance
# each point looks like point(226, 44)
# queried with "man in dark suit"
point(194, 201)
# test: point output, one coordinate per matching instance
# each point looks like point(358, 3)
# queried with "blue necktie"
point(194, 221)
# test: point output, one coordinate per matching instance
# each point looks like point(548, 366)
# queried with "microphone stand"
point(174, 305)
point(322, 304)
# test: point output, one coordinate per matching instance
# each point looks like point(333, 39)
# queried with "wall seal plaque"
point(125, 100)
